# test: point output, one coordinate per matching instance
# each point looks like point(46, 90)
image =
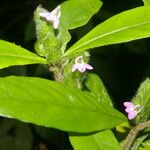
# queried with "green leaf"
point(126, 26)
point(145, 145)
point(146, 2)
point(11, 54)
point(142, 98)
point(76, 13)
point(97, 88)
point(104, 140)
point(139, 142)
point(53, 104)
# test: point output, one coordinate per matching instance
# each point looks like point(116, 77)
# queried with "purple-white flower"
point(81, 65)
point(132, 110)
point(52, 16)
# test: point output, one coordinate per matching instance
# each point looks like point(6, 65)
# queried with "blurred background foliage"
point(122, 67)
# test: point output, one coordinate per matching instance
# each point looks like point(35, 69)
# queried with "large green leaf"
point(146, 2)
point(104, 140)
point(53, 104)
point(11, 54)
point(142, 98)
point(126, 26)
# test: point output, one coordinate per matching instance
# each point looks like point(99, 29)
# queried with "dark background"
point(122, 67)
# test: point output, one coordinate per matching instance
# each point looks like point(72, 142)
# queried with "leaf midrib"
point(44, 103)
point(23, 57)
point(106, 34)
point(81, 108)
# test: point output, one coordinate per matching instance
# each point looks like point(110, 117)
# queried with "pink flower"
point(81, 65)
point(132, 109)
point(52, 16)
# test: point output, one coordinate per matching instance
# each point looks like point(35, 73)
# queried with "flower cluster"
point(80, 65)
point(132, 109)
point(53, 16)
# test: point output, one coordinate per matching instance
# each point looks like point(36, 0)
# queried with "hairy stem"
point(133, 133)
point(57, 71)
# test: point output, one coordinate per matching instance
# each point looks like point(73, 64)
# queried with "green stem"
point(133, 134)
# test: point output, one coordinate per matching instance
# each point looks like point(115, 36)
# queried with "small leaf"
point(146, 2)
point(97, 88)
point(102, 140)
point(143, 99)
point(117, 29)
point(76, 13)
point(11, 54)
point(53, 104)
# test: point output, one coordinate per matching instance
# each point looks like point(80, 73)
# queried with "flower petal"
point(132, 115)
point(46, 15)
point(82, 68)
point(52, 16)
point(74, 67)
point(56, 24)
point(128, 110)
point(128, 104)
point(89, 67)
point(56, 12)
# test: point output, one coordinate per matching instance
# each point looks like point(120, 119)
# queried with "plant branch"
point(133, 133)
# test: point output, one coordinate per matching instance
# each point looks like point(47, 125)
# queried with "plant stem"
point(133, 133)
point(57, 72)
point(58, 75)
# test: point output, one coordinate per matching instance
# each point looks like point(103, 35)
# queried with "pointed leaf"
point(11, 54)
point(117, 29)
point(104, 140)
point(53, 104)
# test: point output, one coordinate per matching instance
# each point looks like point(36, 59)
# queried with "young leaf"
point(98, 141)
point(146, 2)
point(143, 99)
point(53, 104)
point(97, 88)
point(11, 54)
point(117, 29)
point(76, 13)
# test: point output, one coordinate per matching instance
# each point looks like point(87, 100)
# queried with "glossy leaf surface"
point(76, 13)
point(117, 29)
point(53, 104)
point(104, 140)
point(11, 54)
point(97, 88)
